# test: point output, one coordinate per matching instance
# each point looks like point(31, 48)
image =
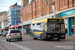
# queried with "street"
point(29, 44)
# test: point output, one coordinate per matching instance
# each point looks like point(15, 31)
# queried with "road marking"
point(1, 48)
point(17, 45)
point(70, 42)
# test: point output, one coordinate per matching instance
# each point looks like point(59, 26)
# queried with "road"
point(29, 44)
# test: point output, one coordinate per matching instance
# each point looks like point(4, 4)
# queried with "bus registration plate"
point(15, 34)
point(55, 34)
point(55, 38)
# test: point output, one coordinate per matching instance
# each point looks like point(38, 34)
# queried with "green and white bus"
point(50, 28)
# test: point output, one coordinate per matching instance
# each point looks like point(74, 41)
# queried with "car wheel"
point(9, 40)
point(42, 37)
point(58, 39)
point(20, 39)
point(6, 39)
point(34, 38)
point(17, 39)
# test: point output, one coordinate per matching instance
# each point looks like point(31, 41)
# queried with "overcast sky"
point(5, 4)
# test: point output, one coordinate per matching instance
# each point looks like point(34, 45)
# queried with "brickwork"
point(74, 3)
point(41, 7)
point(65, 4)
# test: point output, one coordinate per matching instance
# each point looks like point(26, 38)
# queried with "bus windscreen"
point(55, 27)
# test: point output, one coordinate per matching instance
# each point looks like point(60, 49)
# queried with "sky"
point(5, 4)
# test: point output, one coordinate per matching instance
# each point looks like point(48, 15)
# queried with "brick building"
point(40, 9)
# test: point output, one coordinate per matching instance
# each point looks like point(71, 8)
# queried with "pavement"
point(0, 49)
point(70, 38)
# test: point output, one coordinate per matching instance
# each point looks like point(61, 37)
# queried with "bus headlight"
point(48, 35)
point(62, 35)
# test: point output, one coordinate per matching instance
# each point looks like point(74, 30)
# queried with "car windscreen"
point(15, 31)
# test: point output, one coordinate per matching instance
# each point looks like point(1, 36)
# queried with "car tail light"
point(20, 33)
point(10, 34)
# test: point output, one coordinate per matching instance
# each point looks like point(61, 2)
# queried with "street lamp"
point(22, 19)
point(54, 7)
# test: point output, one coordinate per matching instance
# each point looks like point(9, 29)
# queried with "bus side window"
point(33, 24)
point(38, 23)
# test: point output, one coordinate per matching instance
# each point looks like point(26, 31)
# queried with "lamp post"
point(15, 18)
point(54, 7)
point(22, 19)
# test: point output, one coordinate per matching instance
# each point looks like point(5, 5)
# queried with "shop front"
point(69, 17)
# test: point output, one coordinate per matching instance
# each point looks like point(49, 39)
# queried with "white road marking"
point(1, 48)
point(17, 45)
point(70, 42)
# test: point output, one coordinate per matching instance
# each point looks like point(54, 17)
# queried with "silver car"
point(14, 34)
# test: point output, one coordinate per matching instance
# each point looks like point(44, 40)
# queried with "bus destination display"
point(55, 20)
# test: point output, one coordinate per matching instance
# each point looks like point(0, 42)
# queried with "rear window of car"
point(15, 31)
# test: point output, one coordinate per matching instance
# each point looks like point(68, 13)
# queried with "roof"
point(44, 20)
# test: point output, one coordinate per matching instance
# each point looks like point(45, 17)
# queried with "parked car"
point(4, 33)
point(14, 34)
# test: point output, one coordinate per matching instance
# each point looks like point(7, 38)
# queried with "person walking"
point(66, 32)
point(71, 30)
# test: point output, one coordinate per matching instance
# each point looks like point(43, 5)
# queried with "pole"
point(15, 19)
point(54, 7)
point(22, 20)
point(22, 25)
point(15, 22)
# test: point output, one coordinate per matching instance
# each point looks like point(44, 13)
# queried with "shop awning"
point(13, 26)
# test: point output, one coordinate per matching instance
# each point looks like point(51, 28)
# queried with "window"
point(15, 31)
point(33, 24)
point(38, 23)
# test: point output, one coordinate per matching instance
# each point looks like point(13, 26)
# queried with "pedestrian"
point(66, 32)
point(71, 30)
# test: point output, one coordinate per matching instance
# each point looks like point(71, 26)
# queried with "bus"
point(49, 28)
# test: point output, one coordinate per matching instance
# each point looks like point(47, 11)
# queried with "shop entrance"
point(74, 29)
point(72, 24)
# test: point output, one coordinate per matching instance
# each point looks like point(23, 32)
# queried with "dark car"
point(4, 33)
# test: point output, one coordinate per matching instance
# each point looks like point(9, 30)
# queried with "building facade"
point(9, 18)
point(3, 19)
point(69, 17)
point(40, 9)
point(68, 14)
point(15, 15)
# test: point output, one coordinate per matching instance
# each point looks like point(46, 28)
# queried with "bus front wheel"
point(42, 37)
point(58, 39)
point(34, 37)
